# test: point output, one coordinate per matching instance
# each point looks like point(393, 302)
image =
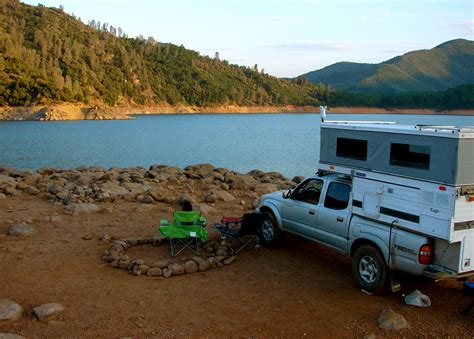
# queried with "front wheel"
point(369, 269)
point(269, 233)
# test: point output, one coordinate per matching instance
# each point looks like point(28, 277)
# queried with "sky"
point(286, 37)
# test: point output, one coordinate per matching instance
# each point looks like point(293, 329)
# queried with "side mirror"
point(286, 194)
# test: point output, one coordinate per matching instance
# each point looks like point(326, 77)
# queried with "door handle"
point(312, 212)
point(340, 219)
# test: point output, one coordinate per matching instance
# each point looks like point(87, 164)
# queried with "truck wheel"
point(369, 269)
point(269, 233)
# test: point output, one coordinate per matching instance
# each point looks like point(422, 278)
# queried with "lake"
point(286, 143)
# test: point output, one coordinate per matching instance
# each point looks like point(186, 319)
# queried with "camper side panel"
point(410, 155)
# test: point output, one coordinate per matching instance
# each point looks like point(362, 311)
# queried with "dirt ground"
point(299, 290)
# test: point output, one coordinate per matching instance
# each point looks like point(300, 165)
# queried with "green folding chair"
point(187, 231)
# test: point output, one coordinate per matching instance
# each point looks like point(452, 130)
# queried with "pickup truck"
point(320, 209)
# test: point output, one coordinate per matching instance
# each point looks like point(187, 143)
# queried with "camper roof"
point(391, 127)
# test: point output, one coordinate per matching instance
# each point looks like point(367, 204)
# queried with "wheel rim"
point(368, 269)
point(267, 230)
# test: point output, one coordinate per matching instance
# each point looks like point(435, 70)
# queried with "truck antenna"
point(322, 112)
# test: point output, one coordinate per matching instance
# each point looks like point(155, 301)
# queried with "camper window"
point(407, 155)
point(351, 148)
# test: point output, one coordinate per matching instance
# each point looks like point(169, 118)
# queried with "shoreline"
point(69, 111)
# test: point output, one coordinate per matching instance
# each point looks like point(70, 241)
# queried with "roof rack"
point(360, 122)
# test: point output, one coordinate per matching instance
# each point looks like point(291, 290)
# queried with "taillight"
point(424, 256)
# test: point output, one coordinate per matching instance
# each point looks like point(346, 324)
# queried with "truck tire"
point(369, 269)
point(269, 233)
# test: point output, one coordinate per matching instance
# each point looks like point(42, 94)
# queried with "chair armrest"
point(202, 220)
point(164, 222)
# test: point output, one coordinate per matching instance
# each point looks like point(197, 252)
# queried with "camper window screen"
point(351, 148)
point(414, 156)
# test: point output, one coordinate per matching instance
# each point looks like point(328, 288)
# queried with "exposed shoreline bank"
point(69, 111)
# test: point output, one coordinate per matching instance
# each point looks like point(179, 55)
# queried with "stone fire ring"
point(216, 255)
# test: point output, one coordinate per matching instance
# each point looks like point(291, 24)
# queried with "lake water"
point(286, 143)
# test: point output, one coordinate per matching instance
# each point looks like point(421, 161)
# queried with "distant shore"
point(69, 111)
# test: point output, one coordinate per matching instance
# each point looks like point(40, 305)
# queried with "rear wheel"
point(369, 269)
point(269, 233)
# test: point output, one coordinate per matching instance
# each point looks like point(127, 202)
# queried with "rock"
point(297, 179)
point(5, 179)
point(54, 188)
point(218, 195)
point(265, 188)
point(229, 261)
point(9, 310)
point(2, 196)
point(115, 191)
point(55, 219)
point(87, 237)
point(147, 199)
point(200, 169)
point(167, 272)
point(222, 252)
point(32, 190)
point(416, 298)
point(186, 196)
point(204, 266)
point(191, 266)
point(198, 259)
point(389, 320)
point(85, 208)
point(21, 229)
point(155, 271)
point(10, 336)
point(243, 182)
point(47, 312)
point(176, 269)
point(205, 209)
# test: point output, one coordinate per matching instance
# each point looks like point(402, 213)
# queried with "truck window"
point(308, 191)
point(337, 197)
point(351, 148)
point(408, 155)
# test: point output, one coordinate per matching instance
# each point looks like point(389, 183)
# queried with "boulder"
point(9, 310)
point(229, 261)
point(21, 229)
point(243, 182)
point(390, 320)
point(54, 188)
point(5, 179)
point(85, 208)
point(47, 312)
point(204, 266)
point(191, 266)
point(200, 170)
point(115, 191)
point(155, 271)
point(297, 179)
point(32, 190)
point(218, 195)
point(265, 188)
point(176, 269)
point(205, 209)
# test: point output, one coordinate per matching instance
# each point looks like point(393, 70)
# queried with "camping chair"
point(187, 231)
point(242, 230)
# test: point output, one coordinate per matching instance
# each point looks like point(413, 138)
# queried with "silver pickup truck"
point(319, 209)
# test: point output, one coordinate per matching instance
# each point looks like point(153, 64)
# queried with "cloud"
point(311, 47)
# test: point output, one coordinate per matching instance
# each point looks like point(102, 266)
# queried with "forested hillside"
point(448, 65)
point(47, 55)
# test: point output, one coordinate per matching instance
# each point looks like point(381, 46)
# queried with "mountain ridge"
point(447, 65)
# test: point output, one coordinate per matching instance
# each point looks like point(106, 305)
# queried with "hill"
point(448, 65)
point(47, 55)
